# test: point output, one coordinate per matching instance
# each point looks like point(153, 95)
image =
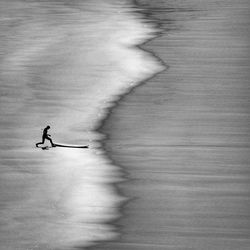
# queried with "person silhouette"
point(46, 136)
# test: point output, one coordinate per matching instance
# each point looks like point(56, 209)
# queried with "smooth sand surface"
point(183, 137)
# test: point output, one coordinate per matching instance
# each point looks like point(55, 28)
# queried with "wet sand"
point(182, 138)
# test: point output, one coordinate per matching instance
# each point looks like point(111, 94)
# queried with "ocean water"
point(63, 64)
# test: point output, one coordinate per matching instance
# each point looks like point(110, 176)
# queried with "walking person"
point(46, 136)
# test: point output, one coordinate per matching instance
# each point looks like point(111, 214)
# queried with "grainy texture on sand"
point(183, 137)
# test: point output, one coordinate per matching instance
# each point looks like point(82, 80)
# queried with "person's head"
point(48, 127)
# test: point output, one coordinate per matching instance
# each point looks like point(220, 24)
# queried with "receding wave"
point(63, 64)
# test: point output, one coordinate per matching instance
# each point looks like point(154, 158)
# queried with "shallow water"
point(62, 64)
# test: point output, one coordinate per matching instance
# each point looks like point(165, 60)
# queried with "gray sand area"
point(182, 138)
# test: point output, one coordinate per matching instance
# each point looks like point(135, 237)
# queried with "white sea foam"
point(64, 65)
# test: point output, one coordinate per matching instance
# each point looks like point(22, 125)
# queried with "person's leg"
point(40, 142)
point(51, 142)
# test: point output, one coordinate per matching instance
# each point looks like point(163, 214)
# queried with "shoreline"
point(109, 143)
point(101, 130)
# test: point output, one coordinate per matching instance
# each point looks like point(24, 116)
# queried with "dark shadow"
point(69, 146)
point(46, 136)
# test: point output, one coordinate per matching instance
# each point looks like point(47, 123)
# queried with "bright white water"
point(62, 63)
